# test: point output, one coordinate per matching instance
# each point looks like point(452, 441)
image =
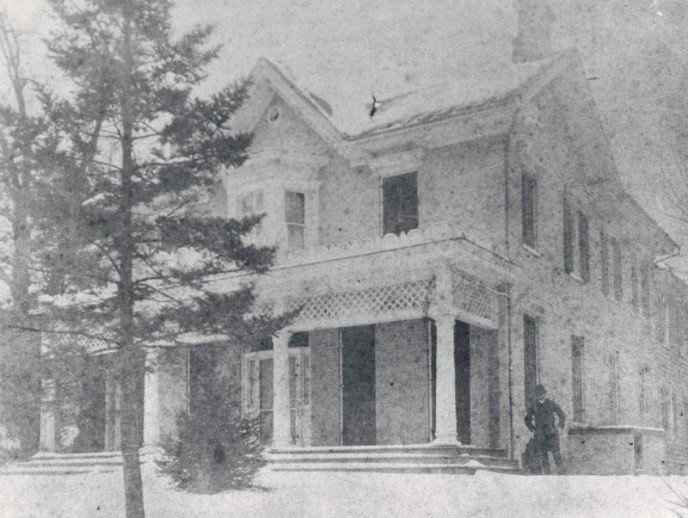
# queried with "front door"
point(257, 390)
point(358, 385)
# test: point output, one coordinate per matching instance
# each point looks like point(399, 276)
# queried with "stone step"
point(425, 449)
point(469, 468)
point(27, 469)
point(392, 457)
point(423, 458)
point(44, 463)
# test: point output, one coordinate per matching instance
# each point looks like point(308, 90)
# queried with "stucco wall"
point(563, 155)
point(325, 398)
point(172, 386)
point(615, 452)
point(484, 382)
point(401, 370)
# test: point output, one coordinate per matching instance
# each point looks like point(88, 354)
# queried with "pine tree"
point(26, 141)
point(144, 255)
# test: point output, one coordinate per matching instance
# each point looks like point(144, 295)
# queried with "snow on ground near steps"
point(335, 495)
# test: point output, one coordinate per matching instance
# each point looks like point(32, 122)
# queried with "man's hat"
point(540, 390)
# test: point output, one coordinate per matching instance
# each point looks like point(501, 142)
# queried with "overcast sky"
point(632, 49)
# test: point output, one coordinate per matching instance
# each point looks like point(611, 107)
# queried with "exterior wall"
point(485, 385)
point(325, 397)
point(616, 452)
point(461, 184)
point(559, 151)
point(349, 203)
point(172, 386)
point(402, 368)
point(289, 132)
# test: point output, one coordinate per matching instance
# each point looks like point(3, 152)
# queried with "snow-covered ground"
point(333, 495)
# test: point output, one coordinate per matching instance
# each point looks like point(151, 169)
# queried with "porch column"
point(445, 401)
point(151, 400)
point(47, 431)
point(281, 418)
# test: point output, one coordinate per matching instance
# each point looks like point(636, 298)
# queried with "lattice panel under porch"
point(62, 339)
point(372, 301)
point(473, 296)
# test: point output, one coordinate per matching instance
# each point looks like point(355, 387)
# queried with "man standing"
point(540, 421)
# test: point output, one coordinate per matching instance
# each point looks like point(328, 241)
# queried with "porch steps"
point(66, 464)
point(392, 459)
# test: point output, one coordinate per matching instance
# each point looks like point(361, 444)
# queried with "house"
point(448, 251)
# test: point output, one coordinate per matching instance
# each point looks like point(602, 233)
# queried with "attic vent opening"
point(273, 114)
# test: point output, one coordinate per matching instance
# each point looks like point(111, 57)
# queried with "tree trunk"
point(130, 354)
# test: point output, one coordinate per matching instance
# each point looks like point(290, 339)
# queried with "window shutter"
point(528, 212)
point(568, 237)
point(584, 246)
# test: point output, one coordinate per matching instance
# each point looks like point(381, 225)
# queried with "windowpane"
point(528, 209)
point(399, 203)
point(299, 339)
point(296, 237)
point(295, 208)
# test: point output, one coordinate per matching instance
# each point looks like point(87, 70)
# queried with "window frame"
point(529, 210)
point(398, 177)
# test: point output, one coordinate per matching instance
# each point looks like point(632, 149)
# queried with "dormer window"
point(399, 203)
point(295, 217)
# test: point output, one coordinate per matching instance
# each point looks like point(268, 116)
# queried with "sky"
point(633, 52)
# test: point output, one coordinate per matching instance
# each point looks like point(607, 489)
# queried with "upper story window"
point(251, 204)
point(295, 217)
point(529, 210)
point(584, 246)
point(604, 262)
point(399, 203)
point(635, 283)
point(618, 269)
point(645, 290)
point(576, 242)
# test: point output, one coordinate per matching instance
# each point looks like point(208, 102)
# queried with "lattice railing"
point(373, 301)
point(473, 296)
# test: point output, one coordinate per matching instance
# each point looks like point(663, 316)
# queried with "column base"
point(446, 440)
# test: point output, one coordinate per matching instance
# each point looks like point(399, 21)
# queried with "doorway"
point(358, 385)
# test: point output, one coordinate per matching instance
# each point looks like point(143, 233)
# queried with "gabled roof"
point(343, 111)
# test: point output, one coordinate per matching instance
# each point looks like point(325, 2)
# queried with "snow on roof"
point(424, 96)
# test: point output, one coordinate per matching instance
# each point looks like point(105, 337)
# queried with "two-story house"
point(448, 250)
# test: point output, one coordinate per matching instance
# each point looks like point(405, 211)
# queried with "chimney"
point(534, 39)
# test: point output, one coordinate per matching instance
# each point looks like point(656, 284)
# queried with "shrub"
point(214, 449)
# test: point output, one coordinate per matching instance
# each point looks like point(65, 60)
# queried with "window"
point(529, 210)
point(399, 203)
point(618, 269)
point(663, 321)
point(643, 395)
point(568, 237)
point(576, 242)
point(645, 290)
point(584, 246)
point(530, 340)
point(614, 387)
point(635, 283)
point(604, 259)
point(295, 217)
point(251, 204)
point(577, 377)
